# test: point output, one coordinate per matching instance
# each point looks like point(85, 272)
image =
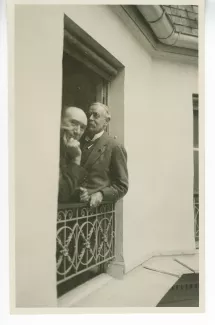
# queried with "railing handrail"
point(80, 204)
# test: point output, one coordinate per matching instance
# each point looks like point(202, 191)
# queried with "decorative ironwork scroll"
point(85, 238)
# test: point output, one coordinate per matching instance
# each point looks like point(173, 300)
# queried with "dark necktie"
point(88, 144)
point(87, 149)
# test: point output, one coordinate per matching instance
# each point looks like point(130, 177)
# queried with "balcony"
point(85, 242)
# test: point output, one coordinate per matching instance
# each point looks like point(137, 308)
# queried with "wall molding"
point(84, 48)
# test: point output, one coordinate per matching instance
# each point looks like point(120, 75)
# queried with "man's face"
point(74, 123)
point(96, 119)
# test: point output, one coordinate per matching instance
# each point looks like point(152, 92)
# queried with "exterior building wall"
point(158, 210)
point(165, 172)
point(157, 102)
point(38, 83)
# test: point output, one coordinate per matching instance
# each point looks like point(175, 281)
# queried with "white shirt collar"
point(96, 136)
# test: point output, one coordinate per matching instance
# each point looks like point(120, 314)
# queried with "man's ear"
point(106, 124)
point(107, 120)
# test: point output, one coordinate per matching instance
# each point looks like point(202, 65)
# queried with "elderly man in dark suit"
point(104, 159)
point(73, 125)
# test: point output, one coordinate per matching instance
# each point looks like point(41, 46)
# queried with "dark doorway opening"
point(87, 70)
point(81, 86)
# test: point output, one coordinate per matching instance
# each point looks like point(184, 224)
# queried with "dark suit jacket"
point(106, 168)
point(70, 178)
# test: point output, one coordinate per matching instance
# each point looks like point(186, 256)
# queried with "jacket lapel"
point(97, 151)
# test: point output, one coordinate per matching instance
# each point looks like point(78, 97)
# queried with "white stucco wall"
point(158, 208)
point(38, 83)
point(158, 212)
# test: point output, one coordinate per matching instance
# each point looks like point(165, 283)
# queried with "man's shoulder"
point(113, 141)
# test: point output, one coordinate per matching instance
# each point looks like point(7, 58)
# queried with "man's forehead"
point(75, 114)
point(70, 112)
point(97, 108)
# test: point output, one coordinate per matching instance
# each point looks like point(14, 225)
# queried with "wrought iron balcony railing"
point(85, 238)
point(196, 216)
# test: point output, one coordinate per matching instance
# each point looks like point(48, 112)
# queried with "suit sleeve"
point(69, 180)
point(118, 175)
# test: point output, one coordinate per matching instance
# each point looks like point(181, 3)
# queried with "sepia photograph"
point(106, 152)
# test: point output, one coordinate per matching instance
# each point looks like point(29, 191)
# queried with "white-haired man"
point(73, 125)
point(104, 159)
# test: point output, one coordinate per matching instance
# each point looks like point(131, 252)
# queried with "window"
point(196, 143)
point(196, 165)
point(85, 237)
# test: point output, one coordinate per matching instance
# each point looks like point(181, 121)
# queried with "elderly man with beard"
point(104, 159)
point(73, 125)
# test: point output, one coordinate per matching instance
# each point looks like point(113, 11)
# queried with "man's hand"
point(84, 195)
point(74, 151)
point(96, 199)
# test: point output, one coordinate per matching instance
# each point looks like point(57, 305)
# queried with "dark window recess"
point(184, 293)
point(195, 128)
point(81, 86)
point(196, 171)
point(87, 70)
point(196, 166)
point(70, 284)
point(196, 142)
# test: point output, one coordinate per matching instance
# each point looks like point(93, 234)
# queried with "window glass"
point(195, 128)
point(196, 171)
